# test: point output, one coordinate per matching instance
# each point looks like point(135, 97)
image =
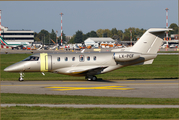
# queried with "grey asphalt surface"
point(116, 88)
point(92, 106)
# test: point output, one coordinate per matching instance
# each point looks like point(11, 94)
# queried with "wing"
point(81, 70)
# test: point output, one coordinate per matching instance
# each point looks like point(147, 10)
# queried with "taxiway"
point(115, 88)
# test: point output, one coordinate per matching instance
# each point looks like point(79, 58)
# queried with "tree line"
point(79, 36)
point(45, 37)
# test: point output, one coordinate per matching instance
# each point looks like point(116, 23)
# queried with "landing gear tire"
point(94, 78)
point(21, 79)
point(91, 78)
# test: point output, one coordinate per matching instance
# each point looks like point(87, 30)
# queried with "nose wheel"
point(91, 78)
point(21, 77)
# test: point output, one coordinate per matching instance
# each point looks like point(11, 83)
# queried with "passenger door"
point(48, 62)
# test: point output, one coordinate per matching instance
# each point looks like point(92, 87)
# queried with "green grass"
point(163, 67)
point(168, 51)
point(69, 99)
point(44, 113)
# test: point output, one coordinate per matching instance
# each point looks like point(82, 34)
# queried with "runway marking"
point(87, 88)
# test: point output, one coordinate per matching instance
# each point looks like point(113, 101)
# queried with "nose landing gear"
point(21, 77)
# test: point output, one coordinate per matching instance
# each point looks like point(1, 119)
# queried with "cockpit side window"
point(31, 58)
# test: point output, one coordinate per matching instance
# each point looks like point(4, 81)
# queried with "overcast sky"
point(87, 15)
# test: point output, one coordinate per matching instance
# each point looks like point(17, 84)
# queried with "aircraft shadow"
point(102, 80)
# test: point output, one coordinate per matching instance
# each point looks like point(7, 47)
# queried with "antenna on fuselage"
point(83, 51)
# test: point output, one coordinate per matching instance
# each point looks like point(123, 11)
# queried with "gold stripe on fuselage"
point(43, 62)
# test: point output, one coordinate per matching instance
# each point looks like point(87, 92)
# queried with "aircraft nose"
point(14, 68)
point(7, 69)
point(10, 69)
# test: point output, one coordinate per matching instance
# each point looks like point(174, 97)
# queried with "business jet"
point(14, 45)
point(91, 64)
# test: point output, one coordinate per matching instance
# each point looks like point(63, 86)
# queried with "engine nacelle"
point(124, 57)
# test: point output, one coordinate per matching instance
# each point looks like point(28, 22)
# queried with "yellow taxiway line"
point(87, 88)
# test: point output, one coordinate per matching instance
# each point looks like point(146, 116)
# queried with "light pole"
point(61, 29)
point(167, 25)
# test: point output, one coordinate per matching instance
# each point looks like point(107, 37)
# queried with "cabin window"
point(66, 58)
point(31, 58)
point(73, 58)
point(58, 59)
point(94, 58)
point(88, 58)
point(81, 58)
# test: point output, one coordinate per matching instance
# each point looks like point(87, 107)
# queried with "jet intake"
point(124, 57)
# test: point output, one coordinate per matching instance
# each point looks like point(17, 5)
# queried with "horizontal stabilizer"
point(146, 62)
point(155, 30)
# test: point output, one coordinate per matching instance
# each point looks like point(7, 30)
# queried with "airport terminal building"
point(17, 35)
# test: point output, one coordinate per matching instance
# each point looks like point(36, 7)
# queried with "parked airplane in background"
point(91, 64)
point(14, 45)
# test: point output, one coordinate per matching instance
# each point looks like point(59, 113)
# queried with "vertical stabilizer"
point(150, 41)
point(2, 41)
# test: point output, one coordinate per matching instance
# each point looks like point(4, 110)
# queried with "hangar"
point(96, 42)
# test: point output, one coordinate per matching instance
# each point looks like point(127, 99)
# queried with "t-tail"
point(150, 41)
point(2, 41)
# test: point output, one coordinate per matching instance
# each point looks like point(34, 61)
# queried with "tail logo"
point(3, 42)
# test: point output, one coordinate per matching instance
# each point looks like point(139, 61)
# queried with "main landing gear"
point(91, 78)
point(21, 77)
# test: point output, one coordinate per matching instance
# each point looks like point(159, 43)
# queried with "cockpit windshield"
point(31, 58)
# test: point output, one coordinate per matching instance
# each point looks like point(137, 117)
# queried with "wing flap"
point(90, 72)
point(82, 70)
